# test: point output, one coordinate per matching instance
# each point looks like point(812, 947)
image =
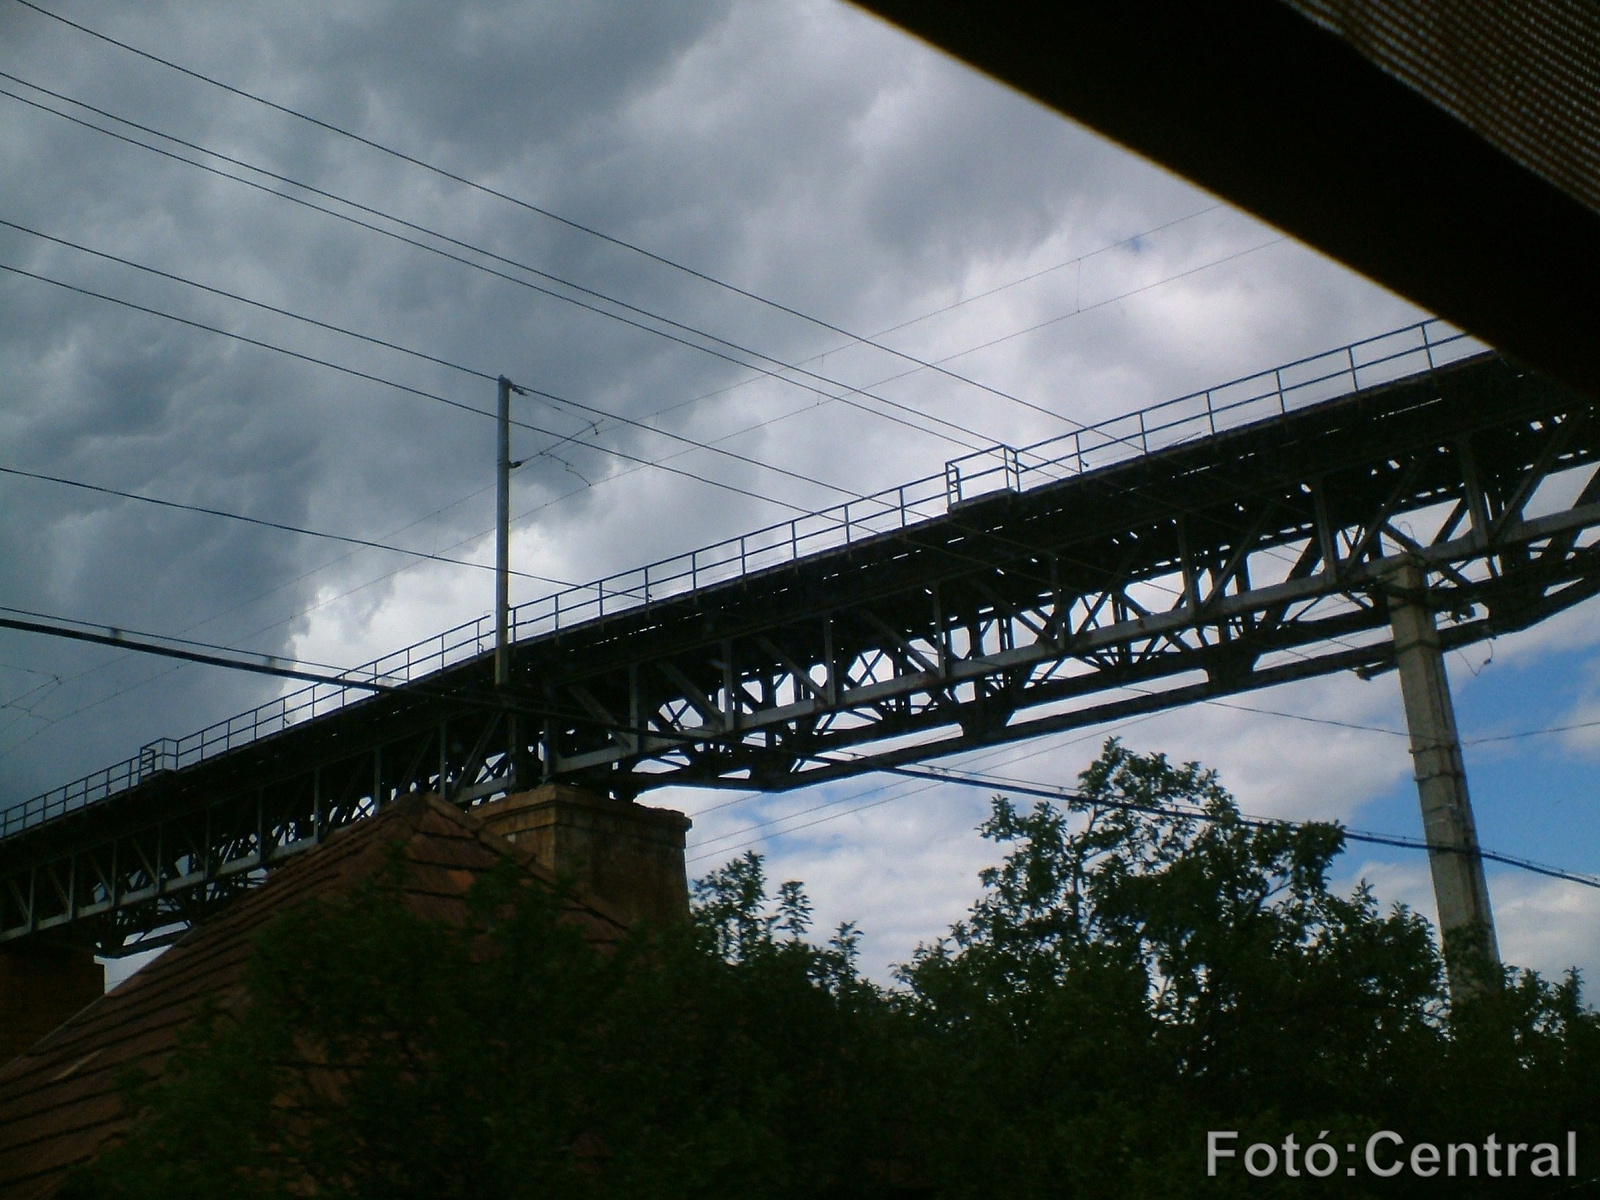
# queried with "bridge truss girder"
point(1209, 569)
point(1219, 589)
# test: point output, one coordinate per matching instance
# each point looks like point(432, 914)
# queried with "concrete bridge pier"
point(1466, 923)
point(627, 854)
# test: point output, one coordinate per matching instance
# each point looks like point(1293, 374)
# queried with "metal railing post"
point(952, 483)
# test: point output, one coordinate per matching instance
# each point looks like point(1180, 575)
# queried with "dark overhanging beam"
point(1259, 105)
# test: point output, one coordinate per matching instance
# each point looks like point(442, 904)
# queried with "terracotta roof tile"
point(59, 1102)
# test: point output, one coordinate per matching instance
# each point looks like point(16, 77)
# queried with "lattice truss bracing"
point(1249, 560)
point(1218, 566)
point(137, 882)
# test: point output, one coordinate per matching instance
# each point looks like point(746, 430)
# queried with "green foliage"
point(1143, 966)
point(385, 1055)
point(1146, 965)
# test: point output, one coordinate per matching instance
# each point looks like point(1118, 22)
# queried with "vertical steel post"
point(1459, 887)
point(502, 548)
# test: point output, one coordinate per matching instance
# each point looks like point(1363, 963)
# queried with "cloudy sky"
point(824, 166)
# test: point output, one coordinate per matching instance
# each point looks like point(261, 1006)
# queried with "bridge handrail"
point(1229, 405)
point(1282, 389)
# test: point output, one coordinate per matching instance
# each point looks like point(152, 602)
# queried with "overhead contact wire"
point(693, 443)
point(777, 372)
point(398, 386)
point(706, 277)
point(267, 524)
point(179, 158)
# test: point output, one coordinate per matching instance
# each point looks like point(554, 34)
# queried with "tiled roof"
point(60, 1101)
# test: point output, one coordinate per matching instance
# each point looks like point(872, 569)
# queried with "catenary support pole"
point(502, 546)
point(1472, 956)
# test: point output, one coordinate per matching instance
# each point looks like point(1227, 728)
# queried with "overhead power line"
point(266, 524)
point(231, 658)
point(423, 393)
point(407, 158)
point(1078, 260)
point(1528, 733)
point(606, 414)
point(413, 160)
point(776, 372)
point(182, 648)
point(776, 375)
point(1044, 791)
point(475, 372)
point(147, 269)
point(1482, 740)
point(257, 342)
point(589, 230)
point(1000, 784)
point(1008, 751)
point(780, 370)
point(369, 377)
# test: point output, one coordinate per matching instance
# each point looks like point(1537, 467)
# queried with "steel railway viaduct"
point(1362, 510)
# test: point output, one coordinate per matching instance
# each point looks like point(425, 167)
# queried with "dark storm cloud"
point(800, 150)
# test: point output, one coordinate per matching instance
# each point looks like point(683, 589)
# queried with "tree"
point(1144, 966)
point(382, 1054)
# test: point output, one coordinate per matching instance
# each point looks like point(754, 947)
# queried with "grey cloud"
point(801, 150)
